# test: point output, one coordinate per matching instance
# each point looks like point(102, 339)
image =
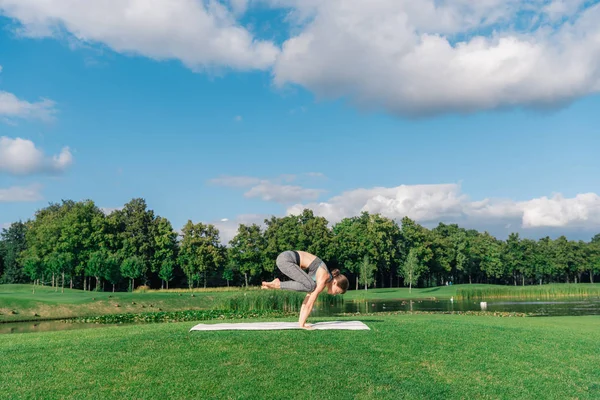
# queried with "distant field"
point(49, 304)
point(555, 290)
point(18, 303)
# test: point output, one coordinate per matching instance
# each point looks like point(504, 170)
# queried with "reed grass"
point(550, 291)
point(145, 289)
point(271, 301)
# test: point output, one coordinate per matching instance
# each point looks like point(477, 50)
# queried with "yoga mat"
point(259, 326)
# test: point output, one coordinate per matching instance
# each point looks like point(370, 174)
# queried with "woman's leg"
point(301, 282)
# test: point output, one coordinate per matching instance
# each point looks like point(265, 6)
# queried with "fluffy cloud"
point(271, 190)
point(201, 34)
point(407, 57)
point(109, 210)
point(17, 194)
point(21, 157)
point(235, 181)
point(228, 227)
point(282, 193)
point(12, 107)
point(446, 203)
point(581, 211)
point(428, 57)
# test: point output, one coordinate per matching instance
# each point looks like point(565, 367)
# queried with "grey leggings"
point(288, 263)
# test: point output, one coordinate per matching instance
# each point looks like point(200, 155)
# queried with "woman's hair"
point(341, 280)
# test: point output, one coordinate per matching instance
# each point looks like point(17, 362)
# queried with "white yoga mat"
point(259, 326)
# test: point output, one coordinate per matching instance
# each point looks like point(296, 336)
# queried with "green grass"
point(403, 356)
point(49, 304)
point(467, 292)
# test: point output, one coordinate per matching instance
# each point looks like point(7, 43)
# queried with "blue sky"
point(345, 110)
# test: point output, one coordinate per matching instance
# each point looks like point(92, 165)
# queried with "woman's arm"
point(307, 305)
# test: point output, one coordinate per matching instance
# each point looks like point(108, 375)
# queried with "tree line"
point(75, 244)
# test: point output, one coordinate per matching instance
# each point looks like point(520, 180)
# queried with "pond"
point(581, 306)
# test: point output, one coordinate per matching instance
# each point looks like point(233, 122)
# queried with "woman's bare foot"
point(274, 284)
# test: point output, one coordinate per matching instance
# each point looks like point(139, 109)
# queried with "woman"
point(314, 281)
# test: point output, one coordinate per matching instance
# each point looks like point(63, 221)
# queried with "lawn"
point(403, 356)
point(50, 304)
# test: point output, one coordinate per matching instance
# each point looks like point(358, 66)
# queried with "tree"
point(80, 227)
point(13, 244)
point(246, 251)
point(419, 239)
point(59, 264)
point(112, 270)
point(137, 237)
point(487, 251)
point(165, 249)
point(513, 256)
point(42, 235)
point(593, 259)
point(383, 237)
point(561, 251)
point(32, 267)
point(451, 248)
point(315, 236)
point(228, 273)
point(133, 267)
point(349, 243)
point(97, 265)
point(281, 234)
point(200, 250)
point(412, 269)
point(366, 271)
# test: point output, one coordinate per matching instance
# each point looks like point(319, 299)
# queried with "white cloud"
point(239, 7)
point(446, 203)
point(201, 34)
point(5, 225)
point(558, 9)
point(235, 181)
point(270, 190)
point(420, 202)
point(427, 57)
point(282, 193)
point(238, 118)
point(109, 210)
point(18, 194)
point(406, 57)
point(581, 211)
point(228, 227)
point(12, 107)
point(21, 157)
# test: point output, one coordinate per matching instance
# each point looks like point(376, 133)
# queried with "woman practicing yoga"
point(314, 282)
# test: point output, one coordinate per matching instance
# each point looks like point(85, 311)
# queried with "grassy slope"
point(414, 356)
point(50, 304)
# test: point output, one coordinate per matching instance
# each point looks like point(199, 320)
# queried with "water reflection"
point(586, 306)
